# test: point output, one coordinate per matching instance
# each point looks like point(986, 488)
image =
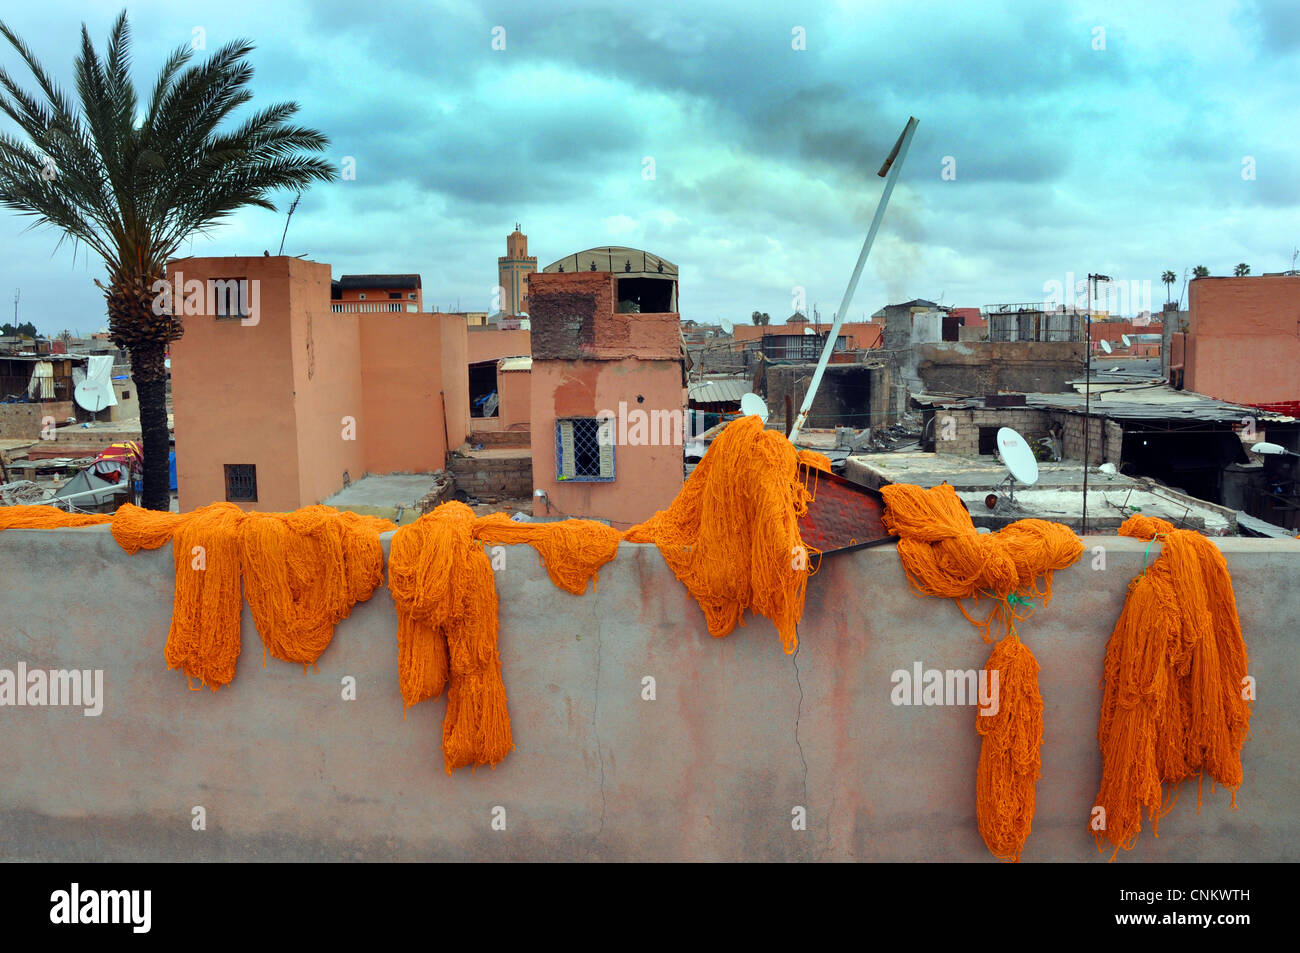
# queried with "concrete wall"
point(737, 736)
point(850, 395)
point(24, 421)
point(1242, 344)
point(979, 368)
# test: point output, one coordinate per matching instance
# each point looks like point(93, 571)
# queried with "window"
point(988, 441)
point(228, 297)
point(583, 453)
point(126, 395)
point(395, 294)
point(241, 483)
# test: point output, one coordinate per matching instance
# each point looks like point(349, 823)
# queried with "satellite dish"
point(727, 326)
point(1269, 449)
point(1126, 340)
point(1105, 345)
point(167, 363)
point(809, 331)
point(93, 396)
point(1017, 457)
point(752, 404)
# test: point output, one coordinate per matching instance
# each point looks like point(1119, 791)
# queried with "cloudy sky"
point(1118, 138)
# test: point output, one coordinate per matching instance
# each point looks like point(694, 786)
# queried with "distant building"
point(513, 272)
point(376, 294)
point(1243, 340)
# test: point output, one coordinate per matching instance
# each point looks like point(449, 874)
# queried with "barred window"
point(228, 297)
point(241, 483)
point(584, 449)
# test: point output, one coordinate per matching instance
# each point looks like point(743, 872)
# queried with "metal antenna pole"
point(1087, 399)
point(889, 170)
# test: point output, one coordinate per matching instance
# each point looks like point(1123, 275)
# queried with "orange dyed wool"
point(302, 573)
point(1175, 704)
point(732, 534)
point(943, 555)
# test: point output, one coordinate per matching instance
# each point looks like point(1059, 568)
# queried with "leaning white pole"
point(890, 170)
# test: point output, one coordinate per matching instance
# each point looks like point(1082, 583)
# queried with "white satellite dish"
point(94, 396)
point(809, 331)
point(727, 326)
point(1105, 345)
point(1126, 340)
point(752, 404)
point(1017, 457)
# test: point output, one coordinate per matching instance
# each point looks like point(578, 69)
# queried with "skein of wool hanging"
point(203, 640)
point(302, 573)
point(732, 533)
point(572, 550)
point(443, 587)
point(1175, 703)
point(943, 555)
point(1010, 753)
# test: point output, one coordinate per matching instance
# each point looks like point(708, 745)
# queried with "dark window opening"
point(241, 483)
point(988, 441)
point(395, 294)
point(126, 395)
point(228, 297)
point(645, 296)
point(483, 396)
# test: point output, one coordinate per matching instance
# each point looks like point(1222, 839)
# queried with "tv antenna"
point(296, 199)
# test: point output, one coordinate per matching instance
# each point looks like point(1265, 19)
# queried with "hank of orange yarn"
point(571, 550)
point(943, 555)
point(732, 533)
point(47, 517)
point(302, 573)
point(443, 588)
point(1010, 753)
point(1175, 703)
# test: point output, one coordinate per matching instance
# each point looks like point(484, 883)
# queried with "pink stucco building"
point(591, 362)
point(279, 401)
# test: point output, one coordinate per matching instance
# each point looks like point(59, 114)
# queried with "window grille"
point(584, 449)
point(241, 483)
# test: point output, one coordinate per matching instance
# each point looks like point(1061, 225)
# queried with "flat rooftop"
point(1057, 496)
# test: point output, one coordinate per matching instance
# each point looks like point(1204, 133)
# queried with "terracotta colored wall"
point(1243, 341)
point(647, 477)
point(488, 344)
point(327, 388)
point(401, 366)
point(224, 372)
point(455, 376)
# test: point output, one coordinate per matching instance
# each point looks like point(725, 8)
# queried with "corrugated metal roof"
point(515, 364)
point(725, 390)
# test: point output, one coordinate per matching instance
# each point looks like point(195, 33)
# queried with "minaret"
point(512, 273)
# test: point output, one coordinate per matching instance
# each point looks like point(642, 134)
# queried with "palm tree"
point(1200, 271)
point(1242, 270)
point(131, 182)
point(1168, 279)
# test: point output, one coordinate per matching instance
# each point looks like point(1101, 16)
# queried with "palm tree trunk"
point(150, 375)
